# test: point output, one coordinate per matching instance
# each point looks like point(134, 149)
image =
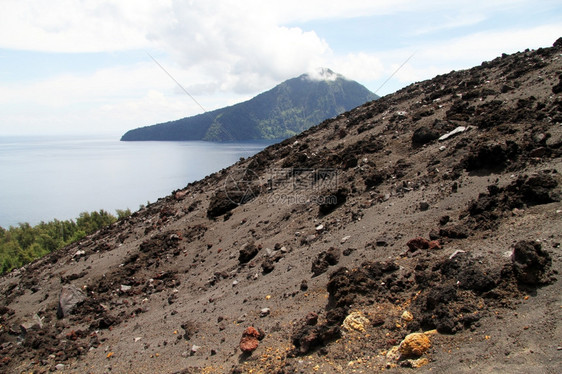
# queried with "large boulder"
point(424, 135)
point(248, 252)
point(69, 298)
point(530, 262)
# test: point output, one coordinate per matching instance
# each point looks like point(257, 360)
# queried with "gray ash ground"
point(372, 213)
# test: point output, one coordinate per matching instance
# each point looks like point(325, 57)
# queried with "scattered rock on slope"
point(69, 298)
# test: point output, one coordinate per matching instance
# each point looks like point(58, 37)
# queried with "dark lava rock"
point(537, 190)
point(424, 135)
point(436, 311)
point(460, 111)
point(530, 263)
point(449, 290)
point(220, 204)
point(330, 201)
point(444, 309)
point(444, 220)
point(558, 88)
point(156, 244)
point(166, 212)
point(190, 329)
point(525, 191)
point(348, 251)
point(324, 260)
point(374, 179)
point(491, 157)
point(105, 322)
point(247, 252)
point(335, 316)
point(454, 232)
point(492, 114)
point(370, 145)
point(69, 298)
point(307, 338)
point(345, 285)
point(468, 273)
point(267, 265)
point(311, 319)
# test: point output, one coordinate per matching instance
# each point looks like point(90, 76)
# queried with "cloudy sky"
point(85, 66)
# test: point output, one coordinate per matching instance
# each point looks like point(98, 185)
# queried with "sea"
point(46, 177)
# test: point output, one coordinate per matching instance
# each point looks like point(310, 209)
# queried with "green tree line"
point(24, 243)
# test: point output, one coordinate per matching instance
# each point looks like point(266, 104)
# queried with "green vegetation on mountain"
point(288, 109)
point(24, 243)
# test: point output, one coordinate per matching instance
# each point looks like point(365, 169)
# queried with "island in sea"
point(285, 110)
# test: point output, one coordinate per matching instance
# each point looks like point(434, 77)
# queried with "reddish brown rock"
point(434, 244)
point(418, 243)
point(250, 340)
point(311, 319)
point(422, 243)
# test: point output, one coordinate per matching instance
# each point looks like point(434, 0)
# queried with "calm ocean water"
point(42, 178)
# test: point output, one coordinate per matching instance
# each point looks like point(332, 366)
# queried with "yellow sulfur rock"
point(393, 354)
point(355, 321)
point(414, 344)
point(407, 316)
point(419, 362)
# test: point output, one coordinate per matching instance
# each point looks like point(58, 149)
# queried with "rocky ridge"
point(421, 230)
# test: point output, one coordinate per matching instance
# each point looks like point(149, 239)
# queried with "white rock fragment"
point(456, 253)
point(456, 131)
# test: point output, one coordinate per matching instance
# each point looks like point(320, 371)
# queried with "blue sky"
point(83, 67)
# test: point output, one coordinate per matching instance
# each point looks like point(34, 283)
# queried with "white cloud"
point(359, 66)
point(451, 22)
point(436, 57)
point(194, 26)
point(466, 51)
point(222, 52)
point(108, 100)
point(77, 26)
point(236, 45)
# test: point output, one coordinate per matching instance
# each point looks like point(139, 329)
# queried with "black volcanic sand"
point(368, 214)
